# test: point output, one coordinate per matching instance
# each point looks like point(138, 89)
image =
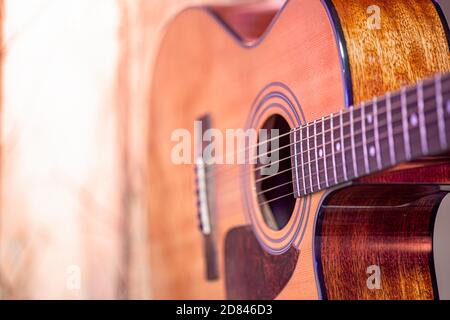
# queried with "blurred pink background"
point(76, 79)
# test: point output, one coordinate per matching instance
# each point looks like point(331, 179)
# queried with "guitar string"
point(292, 193)
point(393, 121)
point(383, 136)
point(323, 170)
point(360, 144)
point(368, 128)
point(311, 174)
point(340, 179)
point(328, 117)
point(394, 107)
point(427, 83)
point(380, 111)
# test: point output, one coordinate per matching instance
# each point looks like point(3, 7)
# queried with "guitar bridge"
point(205, 203)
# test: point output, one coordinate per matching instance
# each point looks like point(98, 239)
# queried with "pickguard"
point(250, 272)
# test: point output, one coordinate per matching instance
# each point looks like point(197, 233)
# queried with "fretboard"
point(398, 127)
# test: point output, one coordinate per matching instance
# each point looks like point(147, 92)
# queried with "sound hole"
point(273, 179)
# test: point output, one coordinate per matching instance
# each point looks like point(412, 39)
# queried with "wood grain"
point(392, 229)
point(410, 45)
point(434, 171)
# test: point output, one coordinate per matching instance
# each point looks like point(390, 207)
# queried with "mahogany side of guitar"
point(203, 69)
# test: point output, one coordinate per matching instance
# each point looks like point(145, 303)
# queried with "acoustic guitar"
point(354, 98)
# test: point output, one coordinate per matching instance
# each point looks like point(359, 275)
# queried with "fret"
point(333, 149)
point(422, 127)
point(302, 161)
point(431, 117)
point(398, 133)
point(294, 162)
point(377, 134)
point(369, 120)
point(318, 161)
point(324, 153)
point(304, 158)
point(440, 111)
point(407, 144)
point(389, 126)
point(364, 134)
point(342, 136)
point(352, 141)
point(347, 145)
point(328, 148)
point(311, 158)
point(379, 149)
point(414, 123)
point(358, 135)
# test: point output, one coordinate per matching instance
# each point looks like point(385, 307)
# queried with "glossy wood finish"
point(374, 61)
point(410, 45)
point(392, 229)
point(203, 69)
point(435, 171)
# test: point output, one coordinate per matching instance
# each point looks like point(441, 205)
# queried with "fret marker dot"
point(372, 151)
point(370, 119)
point(320, 153)
point(414, 121)
point(338, 147)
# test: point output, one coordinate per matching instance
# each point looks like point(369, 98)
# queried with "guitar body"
point(315, 58)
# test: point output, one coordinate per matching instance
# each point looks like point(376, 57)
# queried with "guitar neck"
point(397, 127)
